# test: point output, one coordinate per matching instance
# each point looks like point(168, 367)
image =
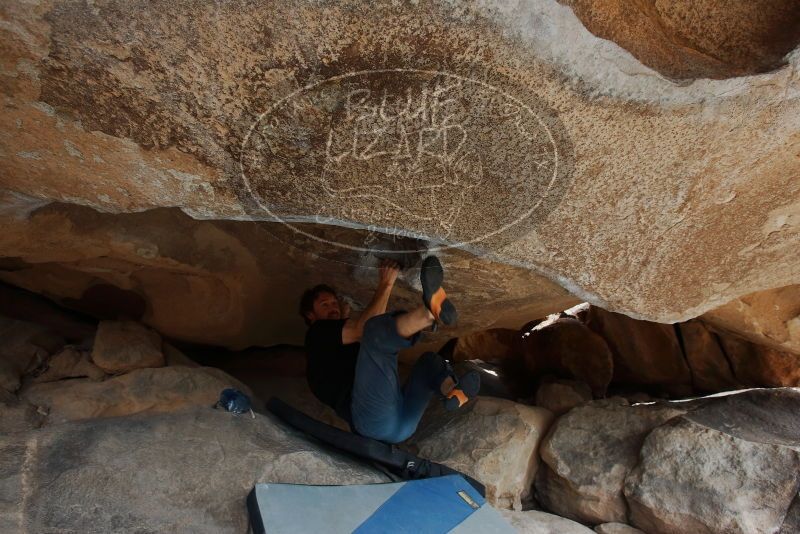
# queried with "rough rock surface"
point(561, 396)
point(535, 522)
point(70, 362)
point(174, 357)
point(24, 346)
point(792, 522)
point(653, 198)
point(645, 353)
point(494, 344)
point(722, 464)
point(589, 452)
point(710, 368)
point(616, 528)
point(184, 472)
point(691, 357)
point(122, 346)
point(697, 38)
point(143, 390)
point(233, 280)
point(770, 317)
point(758, 365)
point(17, 415)
point(566, 347)
point(22, 305)
point(730, 466)
point(495, 441)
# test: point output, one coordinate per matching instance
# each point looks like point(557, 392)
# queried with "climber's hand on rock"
point(387, 272)
point(345, 309)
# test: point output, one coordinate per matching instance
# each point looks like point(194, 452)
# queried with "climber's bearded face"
point(326, 307)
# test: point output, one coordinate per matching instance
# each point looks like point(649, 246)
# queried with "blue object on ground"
point(440, 505)
point(234, 401)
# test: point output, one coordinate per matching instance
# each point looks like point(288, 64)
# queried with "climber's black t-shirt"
point(331, 366)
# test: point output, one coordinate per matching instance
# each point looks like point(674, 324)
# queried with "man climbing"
point(352, 363)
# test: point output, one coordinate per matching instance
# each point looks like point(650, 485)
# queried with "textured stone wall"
point(511, 131)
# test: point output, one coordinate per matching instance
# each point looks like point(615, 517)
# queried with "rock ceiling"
point(214, 159)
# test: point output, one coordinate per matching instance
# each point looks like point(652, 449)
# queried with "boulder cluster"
point(125, 368)
point(716, 464)
point(610, 353)
point(116, 430)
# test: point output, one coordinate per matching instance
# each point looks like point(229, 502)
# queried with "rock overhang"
point(677, 197)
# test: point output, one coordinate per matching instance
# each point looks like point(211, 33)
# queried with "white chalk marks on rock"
point(434, 156)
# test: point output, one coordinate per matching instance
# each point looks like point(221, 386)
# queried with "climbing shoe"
point(466, 388)
point(433, 295)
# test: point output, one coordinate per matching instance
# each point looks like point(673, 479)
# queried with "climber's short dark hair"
point(310, 295)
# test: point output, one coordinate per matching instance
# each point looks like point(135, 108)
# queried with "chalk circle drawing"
point(400, 152)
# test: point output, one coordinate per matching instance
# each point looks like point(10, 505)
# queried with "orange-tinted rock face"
point(566, 347)
point(494, 345)
point(611, 351)
point(232, 283)
point(770, 317)
point(711, 370)
point(761, 366)
point(563, 166)
point(644, 353)
point(697, 39)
